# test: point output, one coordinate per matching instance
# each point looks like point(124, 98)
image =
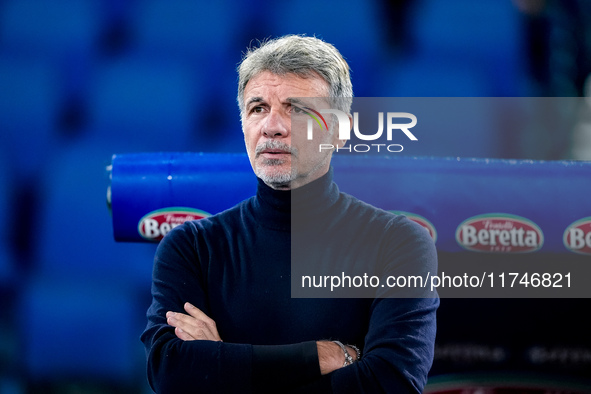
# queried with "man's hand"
point(194, 326)
point(331, 357)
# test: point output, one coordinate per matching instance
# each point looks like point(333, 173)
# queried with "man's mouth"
point(275, 152)
point(275, 149)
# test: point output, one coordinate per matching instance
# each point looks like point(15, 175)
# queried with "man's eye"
point(299, 110)
point(257, 109)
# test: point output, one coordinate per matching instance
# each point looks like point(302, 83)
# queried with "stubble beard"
point(274, 176)
point(276, 173)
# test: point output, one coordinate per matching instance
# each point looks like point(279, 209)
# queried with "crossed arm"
point(195, 325)
point(186, 353)
point(397, 351)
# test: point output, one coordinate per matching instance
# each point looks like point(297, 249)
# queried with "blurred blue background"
point(81, 80)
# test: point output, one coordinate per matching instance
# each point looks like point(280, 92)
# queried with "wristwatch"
point(348, 359)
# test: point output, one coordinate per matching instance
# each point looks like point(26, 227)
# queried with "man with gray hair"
point(222, 319)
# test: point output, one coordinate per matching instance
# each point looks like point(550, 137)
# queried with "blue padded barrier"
point(441, 193)
point(518, 206)
point(144, 183)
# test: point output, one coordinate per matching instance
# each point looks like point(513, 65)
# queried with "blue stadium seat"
point(208, 39)
point(47, 28)
point(80, 330)
point(7, 263)
point(486, 35)
point(29, 102)
point(426, 76)
point(138, 103)
point(428, 86)
point(64, 32)
point(353, 27)
point(185, 28)
point(83, 307)
point(486, 27)
point(74, 233)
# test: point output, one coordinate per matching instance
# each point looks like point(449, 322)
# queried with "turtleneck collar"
point(274, 208)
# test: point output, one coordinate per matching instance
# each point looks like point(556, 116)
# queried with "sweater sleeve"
point(177, 366)
point(398, 350)
point(399, 345)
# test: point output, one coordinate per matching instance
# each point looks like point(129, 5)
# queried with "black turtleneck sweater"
point(236, 267)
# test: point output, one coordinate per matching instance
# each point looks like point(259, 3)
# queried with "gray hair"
point(302, 56)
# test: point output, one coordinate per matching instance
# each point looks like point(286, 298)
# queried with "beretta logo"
point(155, 225)
point(499, 232)
point(427, 225)
point(577, 236)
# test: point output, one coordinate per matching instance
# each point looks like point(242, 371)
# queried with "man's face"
point(281, 156)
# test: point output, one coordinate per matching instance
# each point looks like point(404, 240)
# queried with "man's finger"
point(196, 312)
point(196, 328)
point(183, 335)
point(202, 317)
point(191, 327)
point(184, 322)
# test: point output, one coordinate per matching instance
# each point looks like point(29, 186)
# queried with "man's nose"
point(276, 124)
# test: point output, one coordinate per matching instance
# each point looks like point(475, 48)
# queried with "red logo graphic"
point(577, 236)
point(427, 225)
point(155, 225)
point(499, 232)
